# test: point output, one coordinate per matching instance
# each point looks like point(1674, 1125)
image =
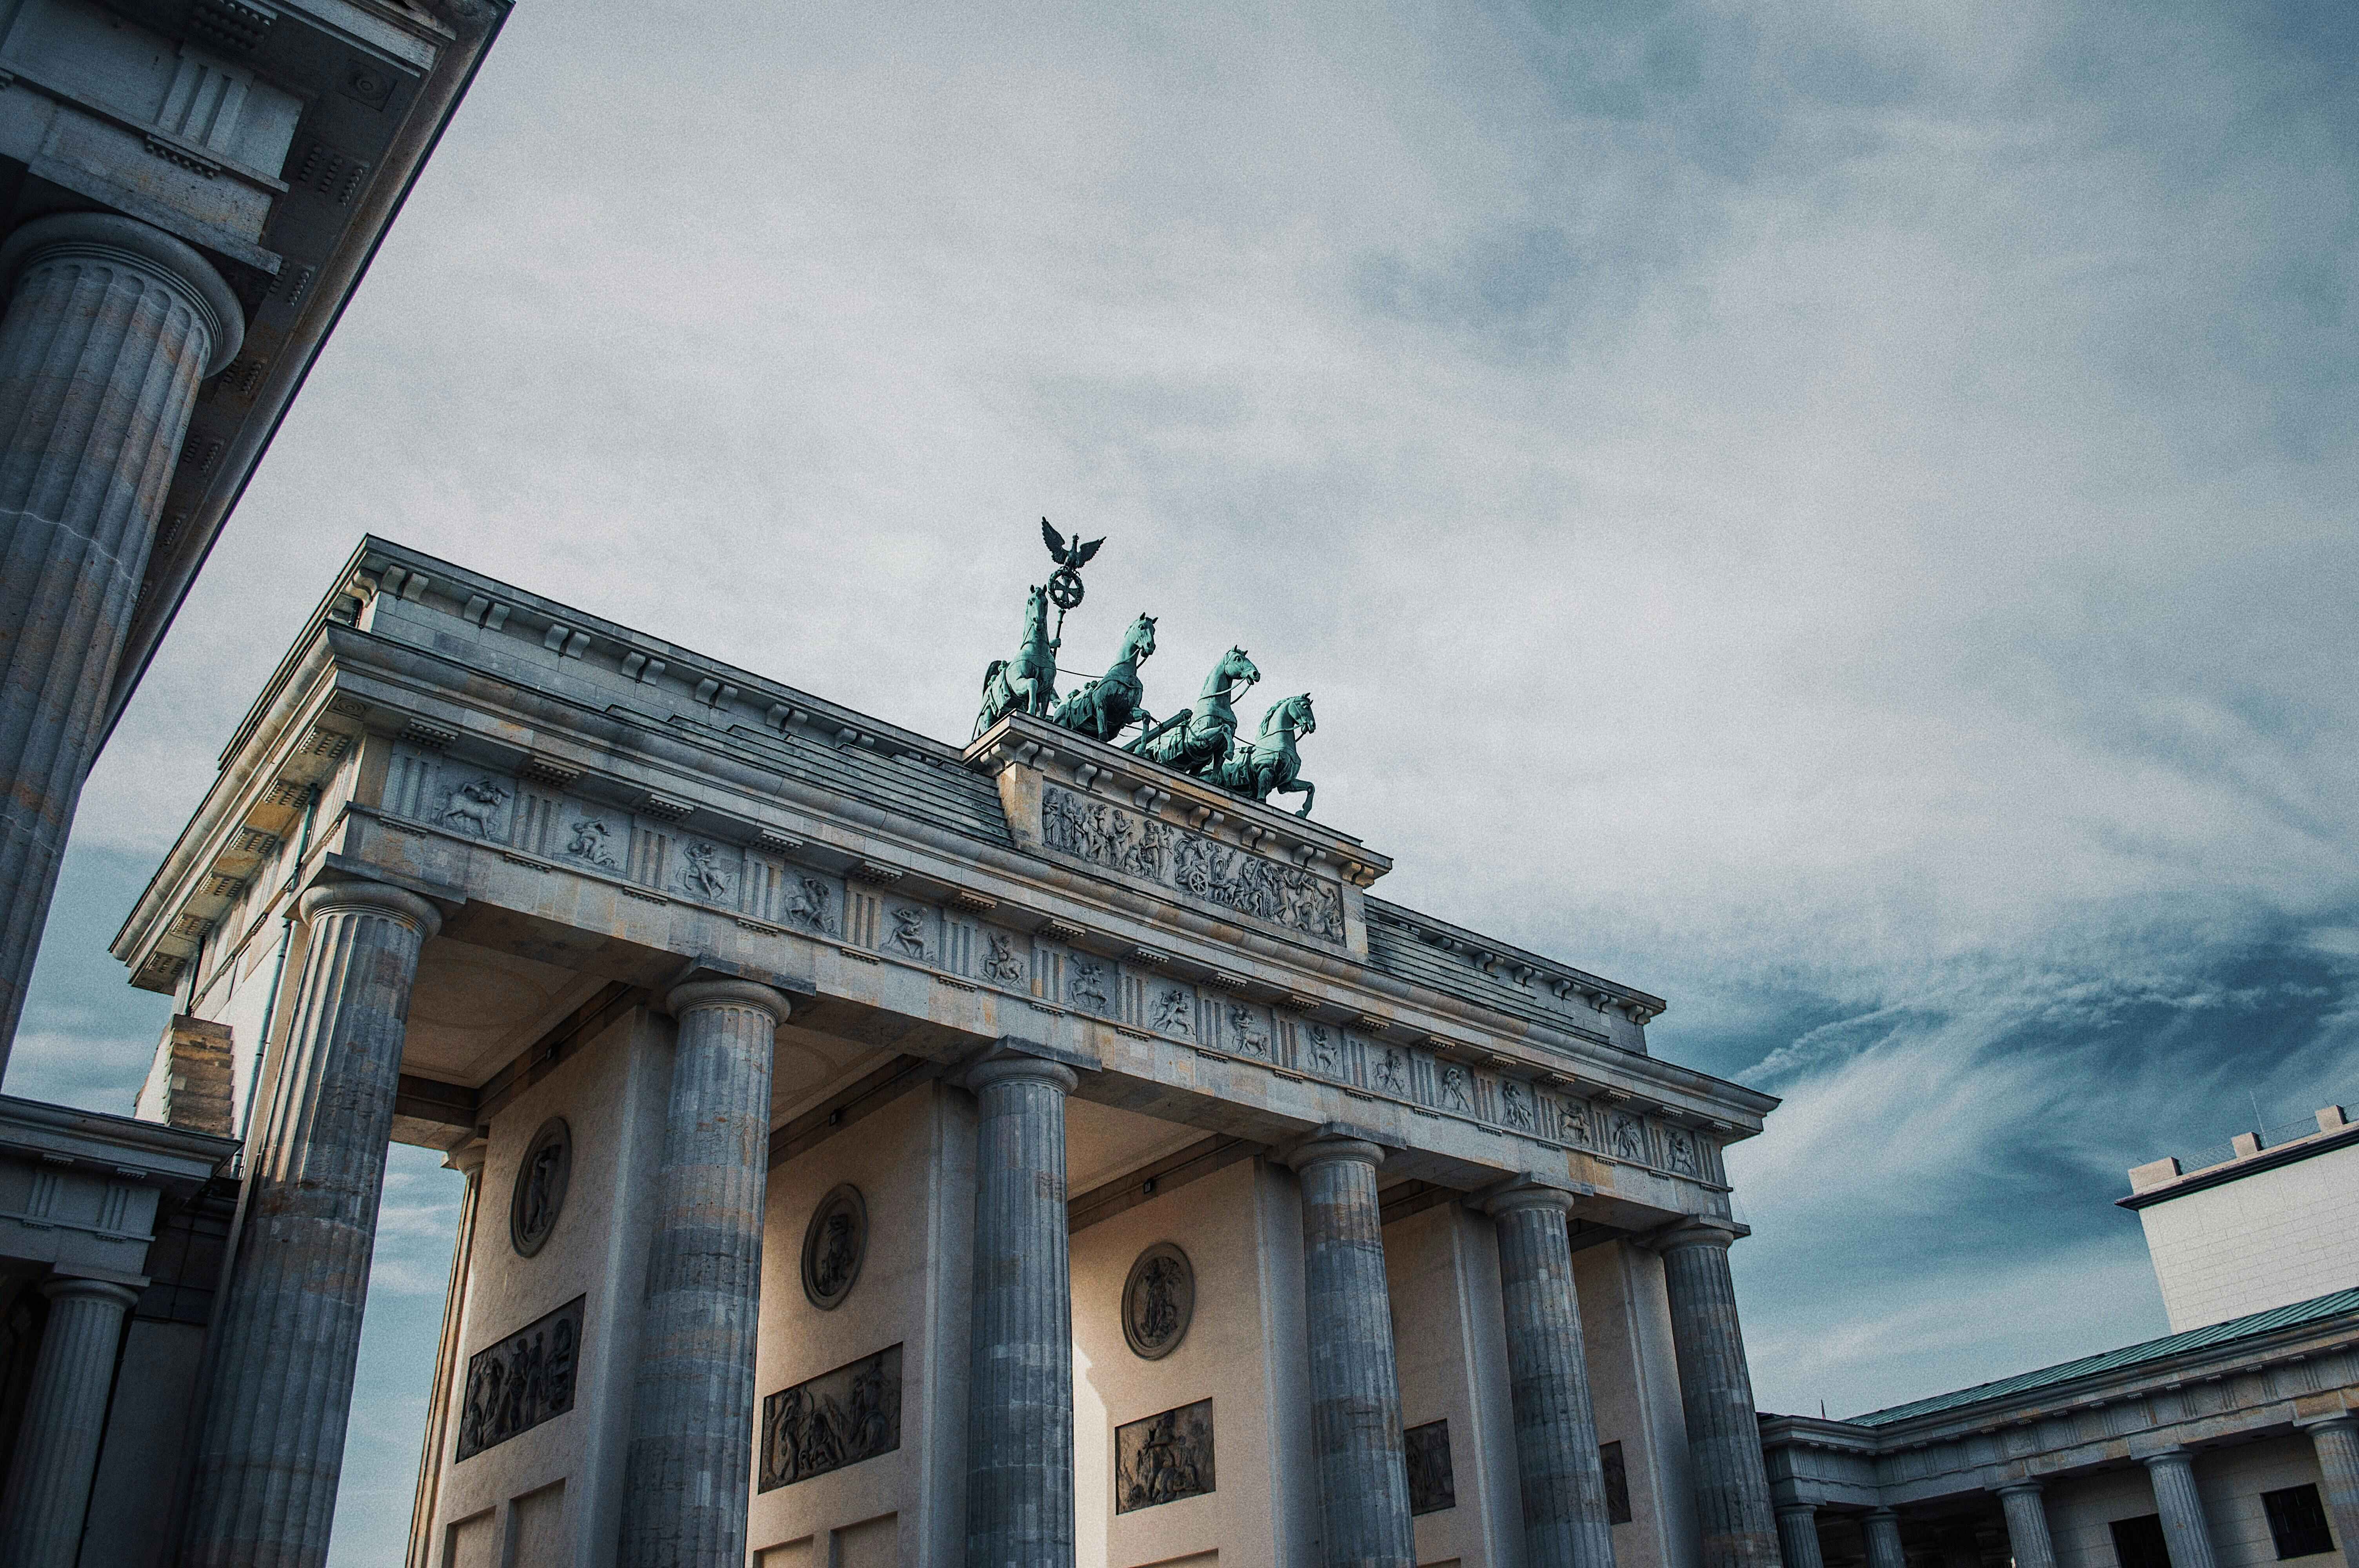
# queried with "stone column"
point(1563, 1485)
point(2336, 1439)
point(2027, 1525)
point(689, 1476)
point(65, 1415)
point(270, 1442)
point(110, 326)
point(1732, 1488)
point(1883, 1548)
point(1019, 1476)
point(1356, 1416)
point(2184, 1529)
point(468, 1159)
point(1797, 1535)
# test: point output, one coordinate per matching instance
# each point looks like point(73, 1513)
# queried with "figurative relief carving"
point(1629, 1138)
point(1576, 1120)
point(1163, 1458)
point(999, 960)
point(523, 1380)
point(1453, 1088)
point(1392, 1075)
point(1252, 1039)
point(590, 835)
point(1086, 986)
point(1679, 1151)
point(475, 806)
point(539, 1191)
point(1202, 868)
point(807, 906)
point(1431, 1487)
point(1514, 1106)
point(908, 934)
point(836, 1419)
point(1324, 1055)
point(701, 873)
point(834, 1244)
point(1159, 1301)
point(1175, 1013)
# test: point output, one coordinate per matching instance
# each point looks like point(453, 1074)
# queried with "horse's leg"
point(1305, 788)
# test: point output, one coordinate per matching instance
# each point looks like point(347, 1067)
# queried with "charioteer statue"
point(1200, 740)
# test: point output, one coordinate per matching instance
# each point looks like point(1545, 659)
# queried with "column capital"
point(1697, 1231)
point(1881, 1513)
point(2343, 1420)
point(2164, 1457)
point(695, 995)
point(117, 238)
point(2020, 1489)
point(75, 1288)
point(322, 898)
point(1012, 1066)
point(1792, 1510)
point(467, 1159)
point(1523, 1193)
point(1334, 1140)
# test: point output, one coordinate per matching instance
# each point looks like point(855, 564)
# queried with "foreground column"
point(110, 326)
point(2027, 1525)
point(1732, 1488)
point(2336, 1439)
point(690, 1469)
point(1355, 1419)
point(1020, 1488)
point(271, 1443)
point(1797, 1535)
point(1563, 1485)
point(2184, 1529)
point(1883, 1548)
point(468, 1159)
point(65, 1415)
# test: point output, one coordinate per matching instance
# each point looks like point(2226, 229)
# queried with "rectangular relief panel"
point(1191, 864)
point(1163, 1458)
point(523, 1380)
point(1431, 1487)
point(836, 1419)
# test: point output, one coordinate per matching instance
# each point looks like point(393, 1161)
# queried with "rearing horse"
point(1197, 739)
point(1027, 681)
point(1109, 704)
point(1271, 765)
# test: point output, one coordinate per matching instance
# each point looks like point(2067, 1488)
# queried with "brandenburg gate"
point(1039, 1150)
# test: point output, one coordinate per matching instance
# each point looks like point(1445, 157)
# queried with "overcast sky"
point(1838, 514)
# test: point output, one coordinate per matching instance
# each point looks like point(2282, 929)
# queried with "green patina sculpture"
point(1114, 702)
point(1271, 765)
point(1200, 740)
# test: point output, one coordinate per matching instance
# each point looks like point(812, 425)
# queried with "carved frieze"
point(1163, 1458)
point(1191, 863)
point(836, 1419)
point(523, 1380)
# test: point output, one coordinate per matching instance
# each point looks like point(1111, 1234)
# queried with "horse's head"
point(1036, 612)
point(1138, 643)
point(1293, 713)
point(1234, 668)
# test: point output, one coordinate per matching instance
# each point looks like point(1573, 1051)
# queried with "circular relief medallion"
point(1157, 1301)
point(834, 1245)
point(540, 1185)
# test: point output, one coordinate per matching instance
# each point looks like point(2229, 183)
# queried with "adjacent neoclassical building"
point(881, 1150)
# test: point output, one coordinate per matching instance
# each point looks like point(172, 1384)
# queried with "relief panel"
point(1163, 1458)
point(521, 1382)
point(836, 1419)
point(1189, 863)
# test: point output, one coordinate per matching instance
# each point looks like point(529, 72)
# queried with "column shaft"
point(1563, 1484)
point(1020, 1404)
point(1732, 1487)
point(1797, 1536)
point(689, 1468)
point(1356, 1416)
point(1883, 1548)
point(110, 326)
point(2184, 1527)
point(2027, 1525)
point(65, 1415)
point(270, 1444)
point(433, 1455)
point(2336, 1439)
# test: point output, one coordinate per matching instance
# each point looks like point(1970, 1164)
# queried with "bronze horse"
point(1109, 704)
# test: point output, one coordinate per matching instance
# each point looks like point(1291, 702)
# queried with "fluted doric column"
point(2336, 1440)
point(1797, 1536)
point(468, 1161)
point(110, 325)
point(2027, 1525)
point(1020, 1491)
point(270, 1445)
point(691, 1462)
point(1355, 1417)
point(1732, 1487)
point(1884, 1549)
point(1563, 1484)
point(65, 1415)
point(2185, 1530)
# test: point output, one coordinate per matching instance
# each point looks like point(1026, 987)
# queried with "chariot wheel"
point(1064, 588)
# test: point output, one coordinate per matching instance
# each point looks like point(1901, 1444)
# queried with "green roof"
point(2313, 1311)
